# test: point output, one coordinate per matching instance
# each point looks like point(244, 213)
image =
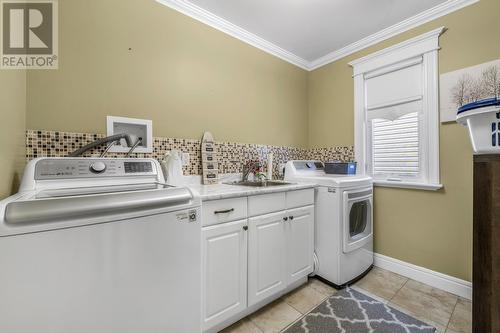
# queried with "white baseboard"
point(432, 278)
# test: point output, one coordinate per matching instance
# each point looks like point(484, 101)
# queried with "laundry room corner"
point(425, 228)
point(12, 130)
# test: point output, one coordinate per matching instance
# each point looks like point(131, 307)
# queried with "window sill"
point(415, 186)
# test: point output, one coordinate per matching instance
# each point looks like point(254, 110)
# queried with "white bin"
point(484, 128)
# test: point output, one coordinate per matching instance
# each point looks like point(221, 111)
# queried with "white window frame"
point(424, 47)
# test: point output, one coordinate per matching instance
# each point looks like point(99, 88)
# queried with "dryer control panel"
point(308, 165)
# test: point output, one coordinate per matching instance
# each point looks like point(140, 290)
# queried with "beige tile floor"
point(445, 311)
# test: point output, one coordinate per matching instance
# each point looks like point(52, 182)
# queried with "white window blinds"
point(395, 147)
point(395, 138)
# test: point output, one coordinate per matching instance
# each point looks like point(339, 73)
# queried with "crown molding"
point(410, 48)
point(426, 16)
point(235, 31)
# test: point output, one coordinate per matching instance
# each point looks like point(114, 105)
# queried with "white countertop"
point(225, 191)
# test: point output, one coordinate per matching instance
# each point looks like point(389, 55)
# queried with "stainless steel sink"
point(259, 183)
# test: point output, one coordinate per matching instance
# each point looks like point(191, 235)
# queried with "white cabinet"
point(266, 256)
point(300, 242)
point(224, 271)
point(280, 251)
point(266, 203)
point(226, 210)
point(245, 268)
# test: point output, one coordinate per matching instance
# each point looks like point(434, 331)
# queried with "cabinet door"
point(300, 242)
point(224, 271)
point(266, 256)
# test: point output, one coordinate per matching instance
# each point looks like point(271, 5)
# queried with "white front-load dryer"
point(343, 221)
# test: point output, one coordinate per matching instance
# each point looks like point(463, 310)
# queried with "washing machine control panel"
point(98, 167)
point(46, 169)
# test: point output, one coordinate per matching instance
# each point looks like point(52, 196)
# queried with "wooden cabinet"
point(300, 243)
point(266, 256)
point(224, 271)
point(486, 248)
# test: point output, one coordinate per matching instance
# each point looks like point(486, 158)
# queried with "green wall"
point(429, 229)
point(12, 129)
point(184, 75)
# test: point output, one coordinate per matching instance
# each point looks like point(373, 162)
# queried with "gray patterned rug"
point(350, 311)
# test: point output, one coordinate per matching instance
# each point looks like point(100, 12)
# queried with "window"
point(396, 114)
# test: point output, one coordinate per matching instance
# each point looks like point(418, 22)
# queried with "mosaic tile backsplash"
point(232, 156)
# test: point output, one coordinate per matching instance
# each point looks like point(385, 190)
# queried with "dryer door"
point(357, 218)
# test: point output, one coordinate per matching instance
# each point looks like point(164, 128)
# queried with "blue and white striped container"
point(482, 118)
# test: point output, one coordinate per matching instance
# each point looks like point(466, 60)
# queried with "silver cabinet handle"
point(224, 211)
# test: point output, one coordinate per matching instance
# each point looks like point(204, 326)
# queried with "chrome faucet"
point(250, 166)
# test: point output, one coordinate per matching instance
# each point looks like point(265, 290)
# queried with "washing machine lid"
point(339, 181)
point(55, 210)
point(44, 209)
point(312, 171)
point(66, 192)
point(93, 190)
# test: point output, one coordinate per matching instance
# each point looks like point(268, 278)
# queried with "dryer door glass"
point(358, 218)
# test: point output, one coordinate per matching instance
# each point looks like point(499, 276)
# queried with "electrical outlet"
point(185, 158)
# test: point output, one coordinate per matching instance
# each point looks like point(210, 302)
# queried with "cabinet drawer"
point(226, 210)
point(266, 203)
point(300, 198)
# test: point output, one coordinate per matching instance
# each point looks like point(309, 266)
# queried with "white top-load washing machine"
point(343, 221)
point(99, 245)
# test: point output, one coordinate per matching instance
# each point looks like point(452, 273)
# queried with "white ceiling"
point(312, 28)
point(307, 31)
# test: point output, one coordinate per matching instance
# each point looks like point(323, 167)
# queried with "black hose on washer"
point(96, 143)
